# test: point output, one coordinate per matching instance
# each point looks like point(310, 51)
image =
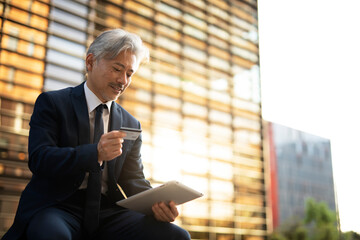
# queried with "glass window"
point(195, 89)
point(199, 165)
point(66, 74)
point(245, 54)
point(68, 19)
point(21, 93)
point(12, 42)
point(241, 23)
point(194, 67)
point(194, 109)
point(194, 32)
point(167, 118)
point(21, 77)
point(164, 19)
point(199, 183)
point(221, 44)
point(67, 32)
point(22, 62)
point(218, 132)
point(52, 84)
point(139, 20)
point(195, 210)
point(219, 84)
point(168, 32)
point(195, 126)
point(72, 6)
point(199, 3)
point(246, 123)
point(65, 60)
point(139, 8)
point(25, 33)
point(222, 170)
point(165, 8)
point(65, 45)
point(194, 53)
point(195, 146)
point(219, 63)
point(167, 79)
point(222, 97)
point(219, 116)
point(196, 22)
point(246, 136)
point(168, 44)
point(221, 190)
point(143, 95)
point(246, 105)
point(40, 8)
point(218, 32)
point(22, 4)
point(242, 85)
point(222, 211)
point(166, 101)
point(218, 12)
point(223, 152)
point(18, 15)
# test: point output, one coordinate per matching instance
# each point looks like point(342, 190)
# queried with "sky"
point(310, 80)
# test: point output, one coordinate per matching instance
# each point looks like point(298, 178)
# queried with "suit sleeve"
point(49, 153)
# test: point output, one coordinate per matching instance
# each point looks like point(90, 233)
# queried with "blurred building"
point(301, 168)
point(198, 99)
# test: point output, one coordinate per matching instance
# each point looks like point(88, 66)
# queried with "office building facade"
point(198, 99)
point(301, 168)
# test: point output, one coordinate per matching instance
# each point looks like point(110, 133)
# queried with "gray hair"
point(110, 43)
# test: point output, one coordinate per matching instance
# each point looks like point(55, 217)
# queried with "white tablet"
point(170, 191)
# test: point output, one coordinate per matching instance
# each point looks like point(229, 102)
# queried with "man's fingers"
point(159, 213)
point(110, 145)
point(114, 142)
point(174, 209)
point(164, 213)
point(111, 141)
point(167, 212)
point(115, 134)
point(110, 154)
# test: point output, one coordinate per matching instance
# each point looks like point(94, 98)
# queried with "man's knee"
point(49, 224)
point(169, 231)
point(41, 234)
point(182, 234)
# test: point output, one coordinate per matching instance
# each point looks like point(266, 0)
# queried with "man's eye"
point(116, 69)
point(129, 75)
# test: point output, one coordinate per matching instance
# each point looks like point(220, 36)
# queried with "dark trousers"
point(64, 222)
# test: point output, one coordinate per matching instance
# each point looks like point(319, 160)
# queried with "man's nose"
point(122, 79)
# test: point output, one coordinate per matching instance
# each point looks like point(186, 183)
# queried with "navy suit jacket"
point(60, 153)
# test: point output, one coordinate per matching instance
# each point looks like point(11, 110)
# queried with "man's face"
point(108, 78)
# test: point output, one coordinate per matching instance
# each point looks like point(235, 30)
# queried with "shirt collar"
point(92, 100)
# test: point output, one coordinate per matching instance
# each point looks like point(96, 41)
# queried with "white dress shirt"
point(92, 102)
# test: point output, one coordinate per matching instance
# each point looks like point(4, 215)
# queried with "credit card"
point(131, 133)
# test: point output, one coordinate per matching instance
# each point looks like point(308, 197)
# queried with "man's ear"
point(89, 62)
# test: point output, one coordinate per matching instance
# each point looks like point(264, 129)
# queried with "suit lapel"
point(81, 112)
point(115, 124)
point(115, 117)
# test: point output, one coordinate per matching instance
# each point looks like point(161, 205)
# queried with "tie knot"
point(100, 108)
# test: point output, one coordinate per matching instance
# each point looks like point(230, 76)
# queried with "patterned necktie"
point(93, 192)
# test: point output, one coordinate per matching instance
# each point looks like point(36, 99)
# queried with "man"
point(76, 151)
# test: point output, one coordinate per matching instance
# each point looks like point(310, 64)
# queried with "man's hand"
point(165, 213)
point(110, 146)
